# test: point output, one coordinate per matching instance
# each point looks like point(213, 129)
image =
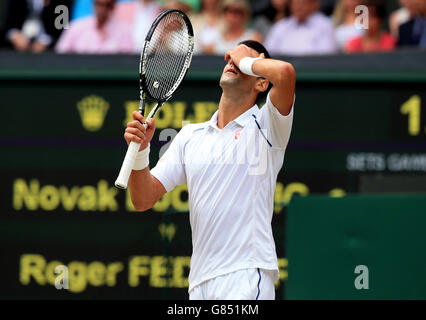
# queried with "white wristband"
point(246, 66)
point(142, 159)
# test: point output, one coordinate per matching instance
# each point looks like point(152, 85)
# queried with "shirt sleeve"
point(170, 168)
point(278, 127)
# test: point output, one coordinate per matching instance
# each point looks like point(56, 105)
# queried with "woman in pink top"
point(99, 34)
point(374, 39)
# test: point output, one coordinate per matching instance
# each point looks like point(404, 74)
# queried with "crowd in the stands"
point(286, 27)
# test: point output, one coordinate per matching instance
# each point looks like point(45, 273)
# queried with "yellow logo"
point(167, 231)
point(92, 111)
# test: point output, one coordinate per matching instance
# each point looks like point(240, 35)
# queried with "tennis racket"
point(165, 60)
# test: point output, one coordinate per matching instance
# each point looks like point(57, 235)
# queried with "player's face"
point(232, 77)
point(231, 74)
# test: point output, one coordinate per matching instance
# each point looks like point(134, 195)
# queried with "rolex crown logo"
point(92, 111)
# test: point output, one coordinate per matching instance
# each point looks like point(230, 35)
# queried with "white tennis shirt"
point(231, 176)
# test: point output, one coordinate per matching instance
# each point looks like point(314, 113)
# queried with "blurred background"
point(350, 204)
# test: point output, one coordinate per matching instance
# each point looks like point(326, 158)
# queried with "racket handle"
point(127, 166)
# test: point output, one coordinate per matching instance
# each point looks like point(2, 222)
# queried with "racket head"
point(166, 56)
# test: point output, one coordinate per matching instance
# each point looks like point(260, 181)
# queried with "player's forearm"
point(142, 189)
point(279, 73)
point(283, 77)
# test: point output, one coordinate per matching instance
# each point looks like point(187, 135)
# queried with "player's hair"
point(257, 46)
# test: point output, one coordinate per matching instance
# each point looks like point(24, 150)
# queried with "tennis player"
point(230, 164)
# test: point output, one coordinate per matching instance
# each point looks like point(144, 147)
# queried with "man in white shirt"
point(305, 32)
point(230, 164)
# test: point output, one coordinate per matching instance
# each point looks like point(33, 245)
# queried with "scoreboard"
point(62, 146)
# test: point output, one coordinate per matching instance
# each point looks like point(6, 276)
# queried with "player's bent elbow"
point(285, 72)
point(142, 207)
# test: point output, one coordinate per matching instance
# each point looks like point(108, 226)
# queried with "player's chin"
point(228, 78)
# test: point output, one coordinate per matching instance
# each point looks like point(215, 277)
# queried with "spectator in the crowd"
point(236, 16)
point(413, 32)
point(144, 15)
point(401, 16)
point(258, 7)
point(138, 13)
point(207, 26)
point(183, 5)
point(305, 32)
point(327, 6)
point(3, 6)
point(97, 35)
point(30, 24)
point(344, 17)
point(274, 13)
point(374, 38)
point(85, 8)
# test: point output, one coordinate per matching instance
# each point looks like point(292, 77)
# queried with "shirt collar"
point(244, 118)
point(241, 120)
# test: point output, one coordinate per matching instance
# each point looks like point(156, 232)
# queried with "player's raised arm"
point(165, 60)
point(280, 73)
point(145, 189)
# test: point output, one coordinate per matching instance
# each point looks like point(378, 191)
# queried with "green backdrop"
point(328, 238)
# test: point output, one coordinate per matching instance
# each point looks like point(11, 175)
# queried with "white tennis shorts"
point(246, 284)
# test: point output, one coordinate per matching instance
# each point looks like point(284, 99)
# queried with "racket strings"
point(176, 58)
point(167, 56)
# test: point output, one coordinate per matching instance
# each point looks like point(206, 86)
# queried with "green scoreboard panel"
point(62, 146)
point(357, 247)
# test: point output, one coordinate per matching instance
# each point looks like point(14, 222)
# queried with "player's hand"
point(136, 132)
point(240, 52)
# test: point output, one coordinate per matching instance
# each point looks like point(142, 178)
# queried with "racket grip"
point(127, 166)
